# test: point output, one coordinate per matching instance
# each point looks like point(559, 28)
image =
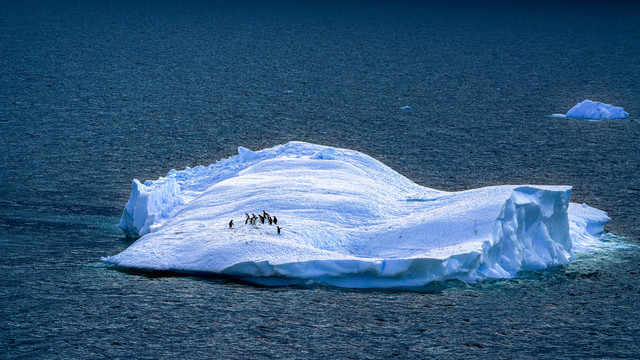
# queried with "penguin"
point(278, 229)
point(231, 224)
point(264, 213)
point(247, 219)
point(270, 220)
point(261, 219)
point(275, 220)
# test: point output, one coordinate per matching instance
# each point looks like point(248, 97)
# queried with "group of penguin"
point(253, 219)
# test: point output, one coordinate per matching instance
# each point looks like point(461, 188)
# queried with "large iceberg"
point(347, 220)
point(593, 110)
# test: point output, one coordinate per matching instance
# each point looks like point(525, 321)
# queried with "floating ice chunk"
point(405, 108)
point(592, 110)
point(350, 222)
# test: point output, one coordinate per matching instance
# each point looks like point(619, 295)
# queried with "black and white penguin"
point(275, 220)
point(261, 219)
point(270, 220)
point(231, 224)
point(278, 229)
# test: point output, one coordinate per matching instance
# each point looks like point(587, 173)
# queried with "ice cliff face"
point(531, 233)
point(347, 220)
point(149, 203)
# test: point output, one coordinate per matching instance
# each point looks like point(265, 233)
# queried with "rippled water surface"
point(94, 95)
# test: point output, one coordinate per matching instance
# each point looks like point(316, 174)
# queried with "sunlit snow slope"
point(347, 220)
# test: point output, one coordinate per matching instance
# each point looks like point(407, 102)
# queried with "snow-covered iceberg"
point(593, 110)
point(347, 220)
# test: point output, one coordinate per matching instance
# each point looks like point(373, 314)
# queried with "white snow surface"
point(347, 220)
point(593, 110)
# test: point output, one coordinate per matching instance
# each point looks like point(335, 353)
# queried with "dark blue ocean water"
point(94, 94)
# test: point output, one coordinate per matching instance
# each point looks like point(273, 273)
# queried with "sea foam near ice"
point(347, 220)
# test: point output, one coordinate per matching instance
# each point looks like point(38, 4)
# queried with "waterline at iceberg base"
point(346, 220)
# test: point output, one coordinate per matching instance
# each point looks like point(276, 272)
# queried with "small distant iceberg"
point(347, 220)
point(594, 110)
